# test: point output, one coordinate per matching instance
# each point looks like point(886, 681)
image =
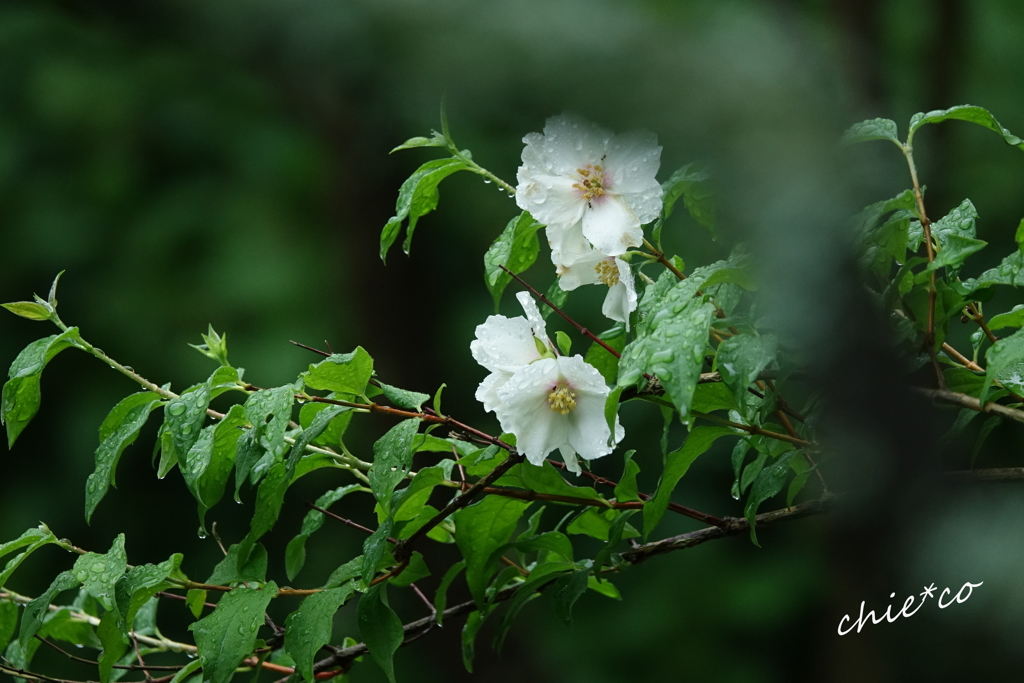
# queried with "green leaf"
point(964, 381)
point(380, 628)
point(1001, 356)
point(186, 673)
point(346, 373)
point(373, 549)
point(604, 587)
point(31, 540)
point(30, 310)
point(417, 197)
point(213, 461)
point(712, 396)
point(36, 610)
point(626, 490)
point(691, 184)
point(392, 459)
point(480, 529)
point(767, 485)
point(196, 600)
point(184, 417)
point(321, 421)
point(676, 465)
point(955, 234)
point(232, 570)
point(295, 554)
point(965, 112)
point(872, 129)
point(309, 628)
point(598, 356)
point(556, 295)
point(228, 635)
point(139, 584)
point(115, 644)
point(416, 570)
point(1009, 272)
point(469, 631)
point(742, 357)
point(550, 541)
point(566, 591)
point(119, 430)
point(441, 594)
point(410, 400)
point(516, 248)
point(615, 535)
point(268, 411)
point(803, 472)
point(1012, 318)
point(99, 573)
point(539, 577)
point(598, 524)
point(21, 396)
point(409, 501)
point(419, 141)
point(671, 339)
point(8, 622)
point(546, 479)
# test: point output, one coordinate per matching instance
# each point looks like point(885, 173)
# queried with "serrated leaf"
point(36, 610)
point(767, 485)
point(139, 584)
point(712, 396)
point(321, 421)
point(99, 573)
point(115, 644)
point(310, 627)
point(21, 396)
point(479, 530)
point(469, 631)
point(268, 411)
point(965, 112)
point(742, 357)
point(380, 628)
point(373, 549)
point(417, 196)
point(516, 248)
point(1000, 357)
point(410, 400)
point(184, 417)
point(1009, 272)
point(671, 339)
point(195, 599)
point(232, 570)
point(213, 461)
point(872, 129)
point(392, 459)
point(119, 430)
point(342, 372)
point(1012, 318)
point(676, 465)
point(228, 635)
point(691, 184)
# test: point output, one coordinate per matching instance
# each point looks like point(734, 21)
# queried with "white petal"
point(581, 375)
point(646, 204)
point(621, 298)
point(524, 410)
point(582, 272)
point(570, 142)
point(632, 162)
point(551, 199)
point(568, 245)
point(611, 226)
point(487, 392)
point(588, 430)
point(504, 344)
point(569, 457)
point(534, 317)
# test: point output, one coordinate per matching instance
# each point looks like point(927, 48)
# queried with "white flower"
point(557, 403)
point(594, 268)
point(504, 345)
point(576, 171)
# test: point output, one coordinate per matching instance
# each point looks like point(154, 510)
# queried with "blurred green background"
point(192, 163)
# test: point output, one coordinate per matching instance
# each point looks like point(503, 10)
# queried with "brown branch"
point(735, 525)
point(756, 430)
point(128, 667)
point(309, 348)
point(965, 401)
point(349, 522)
point(544, 300)
point(979, 319)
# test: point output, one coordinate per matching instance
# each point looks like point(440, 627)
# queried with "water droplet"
point(82, 575)
point(186, 429)
point(99, 567)
point(176, 408)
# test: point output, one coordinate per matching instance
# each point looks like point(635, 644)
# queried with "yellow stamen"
point(562, 399)
point(607, 272)
point(591, 182)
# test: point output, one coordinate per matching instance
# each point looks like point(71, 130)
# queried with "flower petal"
point(569, 457)
point(534, 317)
point(611, 226)
point(621, 298)
point(551, 199)
point(582, 272)
point(487, 392)
point(632, 162)
point(504, 344)
point(568, 245)
point(524, 410)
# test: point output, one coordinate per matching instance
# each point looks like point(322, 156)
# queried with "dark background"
point(191, 163)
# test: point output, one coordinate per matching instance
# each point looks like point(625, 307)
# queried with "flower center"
point(562, 399)
point(591, 182)
point(607, 272)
